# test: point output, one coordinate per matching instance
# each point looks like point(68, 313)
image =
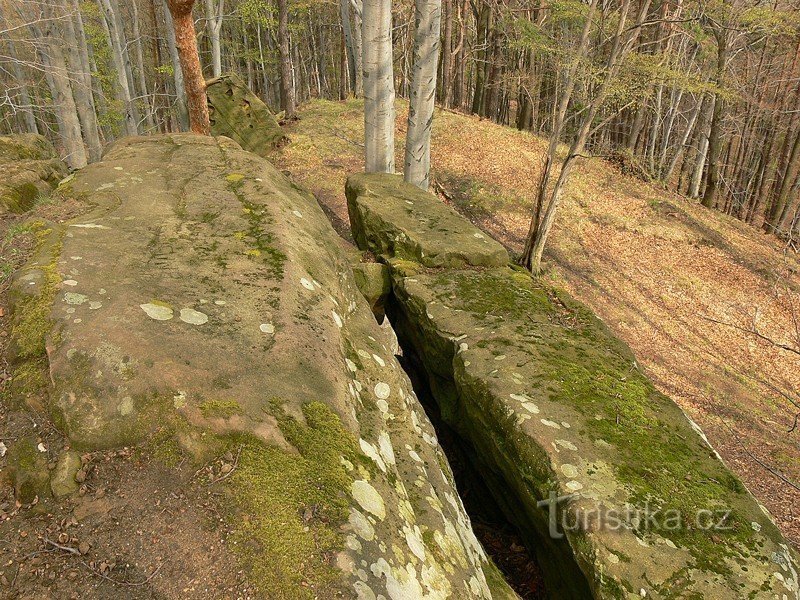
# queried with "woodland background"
point(706, 102)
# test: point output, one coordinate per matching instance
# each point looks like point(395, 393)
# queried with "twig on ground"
point(754, 332)
point(233, 468)
point(760, 462)
point(69, 549)
point(119, 582)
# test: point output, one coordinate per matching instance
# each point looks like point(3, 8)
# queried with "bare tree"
point(214, 25)
point(379, 111)
point(423, 93)
point(287, 86)
point(549, 200)
point(186, 43)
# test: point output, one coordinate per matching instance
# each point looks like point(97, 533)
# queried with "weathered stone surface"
point(206, 297)
point(28, 466)
point(62, 479)
point(30, 168)
point(372, 280)
point(239, 114)
point(552, 403)
point(388, 215)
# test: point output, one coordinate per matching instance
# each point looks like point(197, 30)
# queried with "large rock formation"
point(30, 168)
point(207, 298)
point(563, 424)
point(239, 114)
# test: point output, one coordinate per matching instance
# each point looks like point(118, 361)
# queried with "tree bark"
point(186, 43)
point(69, 127)
point(347, 31)
point(214, 26)
point(379, 111)
point(423, 93)
point(715, 134)
point(181, 109)
point(445, 94)
point(287, 88)
point(131, 116)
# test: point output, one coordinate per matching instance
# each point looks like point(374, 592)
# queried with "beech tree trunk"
point(358, 45)
point(287, 87)
point(214, 26)
point(423, 93)
point(379, 112)
point(81, 83)
point(116, 45)
point(715, 134)
point(69, 127)
point(347, 32)
point(186, 43)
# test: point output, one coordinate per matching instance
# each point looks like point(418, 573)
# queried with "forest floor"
point(135, 511)
point(688, 288)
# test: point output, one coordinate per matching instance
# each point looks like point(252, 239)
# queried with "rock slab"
point(30, 168)
point(205, 298)
point(391, 218)
point(237, 113)
point(614, 487)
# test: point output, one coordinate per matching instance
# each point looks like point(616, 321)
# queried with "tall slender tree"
point(423, 93)
point(287, 85)
point(379, 110)
point(186, 43)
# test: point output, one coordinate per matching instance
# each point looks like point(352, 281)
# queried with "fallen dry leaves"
point(657, 268)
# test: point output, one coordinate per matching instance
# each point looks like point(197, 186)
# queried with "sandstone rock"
point(206, 296)
point(239, 114)
point(372, 280)
point(388, 216)
point(29, 471)
point(30, 168)
point(555, 407)
point(62, 479)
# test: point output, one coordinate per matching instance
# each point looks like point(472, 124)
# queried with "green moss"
point(291, 505)
point(662, 469)
point(220, 408)
point(260, 241)
point(33, 322)
point(502, 292)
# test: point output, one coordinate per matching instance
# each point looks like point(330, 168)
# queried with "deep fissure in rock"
point(502, 540)
point(489, 497)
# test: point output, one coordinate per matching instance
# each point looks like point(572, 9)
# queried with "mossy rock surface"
point(239, 114)
point(553, 403)
point(31, 168)
point(392, 218)
point(206, 298)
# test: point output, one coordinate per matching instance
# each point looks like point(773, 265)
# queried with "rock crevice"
point(559, 415)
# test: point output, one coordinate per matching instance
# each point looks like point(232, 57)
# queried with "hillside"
point(682, 285)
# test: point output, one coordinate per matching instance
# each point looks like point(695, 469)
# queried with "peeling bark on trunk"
point(186, 43)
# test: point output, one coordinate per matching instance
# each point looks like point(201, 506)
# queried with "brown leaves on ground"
point(681, 284)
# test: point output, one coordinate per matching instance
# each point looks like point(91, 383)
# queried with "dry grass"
point(658, 269)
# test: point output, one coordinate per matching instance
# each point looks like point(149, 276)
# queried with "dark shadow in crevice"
point(499, 537)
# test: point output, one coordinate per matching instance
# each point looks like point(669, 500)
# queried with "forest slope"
point(681, 284)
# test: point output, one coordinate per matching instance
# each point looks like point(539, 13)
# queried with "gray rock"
point(30, 169)
point(62, 479)
point(239, 114)
point(553, 404)
point(392, 218)
point(340, 488)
